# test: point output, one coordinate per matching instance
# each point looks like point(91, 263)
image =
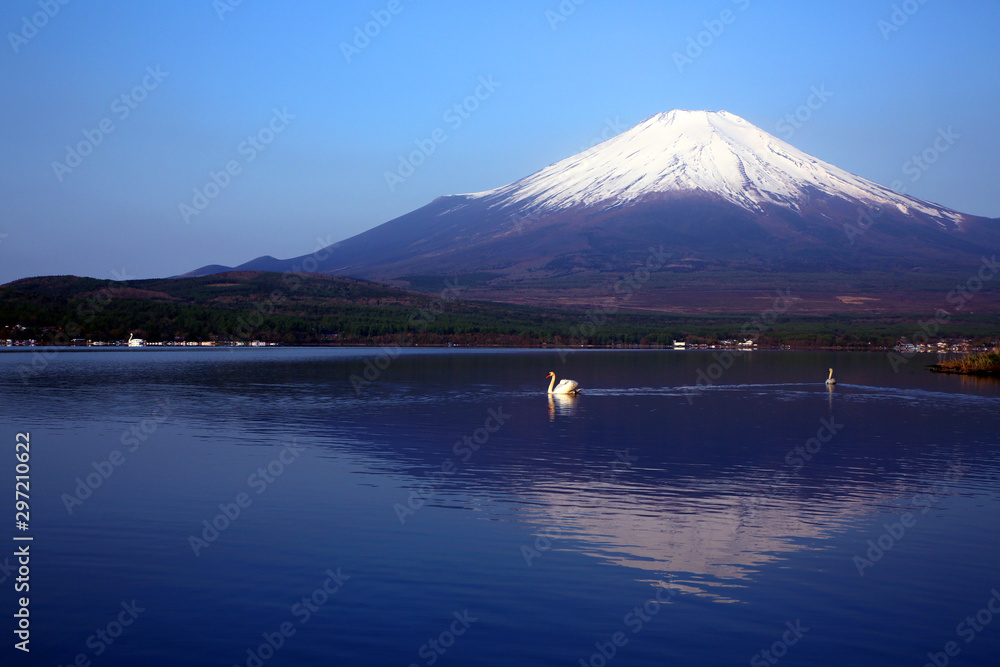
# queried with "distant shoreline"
point(487, 346)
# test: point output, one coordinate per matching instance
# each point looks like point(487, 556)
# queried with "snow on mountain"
point(709, 186)
point(691, 151)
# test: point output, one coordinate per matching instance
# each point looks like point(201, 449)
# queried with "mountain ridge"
point(715, 191)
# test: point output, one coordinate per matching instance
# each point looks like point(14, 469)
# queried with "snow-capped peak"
point(690, 151)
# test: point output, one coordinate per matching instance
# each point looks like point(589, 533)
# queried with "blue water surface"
point(355, 507)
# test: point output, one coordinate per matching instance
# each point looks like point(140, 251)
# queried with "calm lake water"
point(255, 507)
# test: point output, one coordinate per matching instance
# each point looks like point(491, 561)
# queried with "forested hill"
point(285, 308)
point(295, 309)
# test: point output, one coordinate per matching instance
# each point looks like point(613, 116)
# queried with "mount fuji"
point(712, 189)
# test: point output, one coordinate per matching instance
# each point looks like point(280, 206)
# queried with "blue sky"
point(208, 85)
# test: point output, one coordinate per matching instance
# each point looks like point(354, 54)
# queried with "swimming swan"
point(564, 386)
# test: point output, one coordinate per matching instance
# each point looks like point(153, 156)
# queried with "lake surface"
point(686, 509)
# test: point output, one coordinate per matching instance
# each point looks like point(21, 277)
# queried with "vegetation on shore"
point(984, 363)
point(294, 309)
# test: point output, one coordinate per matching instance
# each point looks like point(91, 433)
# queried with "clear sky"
point(286, 117)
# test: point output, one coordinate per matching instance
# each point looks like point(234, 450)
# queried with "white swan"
point(830, 379)
point(564, 386)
